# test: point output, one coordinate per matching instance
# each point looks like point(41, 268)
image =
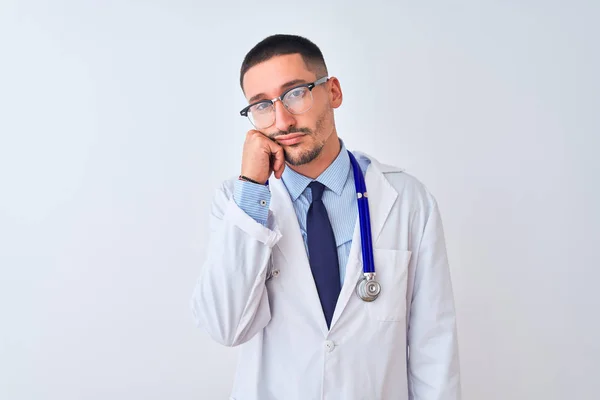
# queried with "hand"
point(261, 157)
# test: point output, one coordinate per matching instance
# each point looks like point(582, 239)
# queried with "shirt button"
point(329, 346)
point(263, 202)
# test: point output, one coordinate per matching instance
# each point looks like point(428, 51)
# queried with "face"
point(302, 136)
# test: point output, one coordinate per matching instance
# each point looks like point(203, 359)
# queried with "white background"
point(118, 120)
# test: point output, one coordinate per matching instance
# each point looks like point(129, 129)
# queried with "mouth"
point(290, 139)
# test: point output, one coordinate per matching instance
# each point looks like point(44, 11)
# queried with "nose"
point(283, 118)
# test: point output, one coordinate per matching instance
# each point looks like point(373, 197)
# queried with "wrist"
point(247, 179)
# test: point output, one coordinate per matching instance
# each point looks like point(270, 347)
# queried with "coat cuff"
point(238, 217)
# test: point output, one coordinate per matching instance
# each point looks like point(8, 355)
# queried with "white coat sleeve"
point(230, 299)
point(433, 363)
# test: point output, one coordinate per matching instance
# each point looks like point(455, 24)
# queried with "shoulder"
point(409, 188)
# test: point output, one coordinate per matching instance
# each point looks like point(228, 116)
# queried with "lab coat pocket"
point(391, 267)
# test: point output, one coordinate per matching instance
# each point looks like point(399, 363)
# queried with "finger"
point(252, 133)
point(281, 172)
point(281, 160)
point(282, 166)
point(279, 163)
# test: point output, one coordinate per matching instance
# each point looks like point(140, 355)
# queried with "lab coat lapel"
point(291, 245)
point(382, 197)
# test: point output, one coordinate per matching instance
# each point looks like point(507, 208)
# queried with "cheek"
point(325, 118)
point(316, 117)
point(269, 132)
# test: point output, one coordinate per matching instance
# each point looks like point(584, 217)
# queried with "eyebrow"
point(282, 87)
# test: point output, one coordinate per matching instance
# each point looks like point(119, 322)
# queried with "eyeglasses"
point(296, 100)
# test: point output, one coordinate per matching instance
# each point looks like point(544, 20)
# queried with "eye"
point(297, 93)
point(261, 107)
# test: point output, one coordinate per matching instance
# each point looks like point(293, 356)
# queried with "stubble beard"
point(311, 154)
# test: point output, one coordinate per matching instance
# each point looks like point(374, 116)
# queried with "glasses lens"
point(262, 115)
point(298, 100)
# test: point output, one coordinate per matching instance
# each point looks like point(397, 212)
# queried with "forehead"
point(269, 76)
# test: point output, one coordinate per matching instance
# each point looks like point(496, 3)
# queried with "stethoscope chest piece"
point(368, 288)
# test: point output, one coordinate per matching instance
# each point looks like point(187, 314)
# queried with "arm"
point(230, 300)
point(433, 366)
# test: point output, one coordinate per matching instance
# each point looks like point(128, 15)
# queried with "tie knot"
point(317, 189)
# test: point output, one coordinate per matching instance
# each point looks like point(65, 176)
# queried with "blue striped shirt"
point(339, 198)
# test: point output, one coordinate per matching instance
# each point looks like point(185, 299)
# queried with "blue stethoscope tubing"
point(364, 216)
point(368, 288)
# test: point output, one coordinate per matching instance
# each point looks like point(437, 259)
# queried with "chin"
point(300, 156)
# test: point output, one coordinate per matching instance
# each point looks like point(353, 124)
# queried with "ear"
point(335, 92)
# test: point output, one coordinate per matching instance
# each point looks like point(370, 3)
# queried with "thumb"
point(279, 159)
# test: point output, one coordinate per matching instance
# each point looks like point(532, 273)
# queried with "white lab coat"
point(256, 289)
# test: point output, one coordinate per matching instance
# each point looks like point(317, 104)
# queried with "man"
point(285, 253)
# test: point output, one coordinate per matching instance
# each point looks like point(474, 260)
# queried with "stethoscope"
point(367, 288)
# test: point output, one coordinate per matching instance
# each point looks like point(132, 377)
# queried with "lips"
point(289, 139)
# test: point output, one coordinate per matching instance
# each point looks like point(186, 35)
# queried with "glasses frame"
point(310, 86)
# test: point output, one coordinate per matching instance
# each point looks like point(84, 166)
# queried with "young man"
point(286, 253)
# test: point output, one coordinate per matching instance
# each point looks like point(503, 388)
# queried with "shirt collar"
point(334, 177)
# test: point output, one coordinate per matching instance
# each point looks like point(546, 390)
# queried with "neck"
point(328, 154)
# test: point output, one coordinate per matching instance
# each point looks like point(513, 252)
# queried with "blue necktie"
point(322, 252)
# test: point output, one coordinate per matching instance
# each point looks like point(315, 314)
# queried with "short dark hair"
point(279, 45)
